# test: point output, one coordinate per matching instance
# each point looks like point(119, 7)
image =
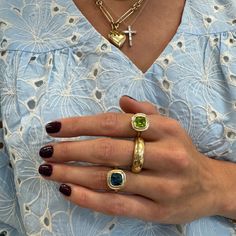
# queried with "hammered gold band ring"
point(138, 157)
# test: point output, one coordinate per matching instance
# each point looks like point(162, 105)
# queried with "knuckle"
point(109, 122)
point(171, 190)
point(161, 214)
point(175, 192)
point(83, 199)
point(172, 127)
point(62, 172)
point(104, 150)
point(100, 180)
point(63, 150)
point(181, 159)
point(118, 207)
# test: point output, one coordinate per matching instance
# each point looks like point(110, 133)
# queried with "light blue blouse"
point(53, 64)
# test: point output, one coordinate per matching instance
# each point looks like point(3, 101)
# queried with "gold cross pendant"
point(130, 33)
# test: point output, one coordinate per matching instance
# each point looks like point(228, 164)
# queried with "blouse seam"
point(207, 34)
point(74, 46)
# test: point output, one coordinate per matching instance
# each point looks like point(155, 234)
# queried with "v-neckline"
point(123, 55)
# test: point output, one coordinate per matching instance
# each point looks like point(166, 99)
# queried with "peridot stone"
point(140, 122)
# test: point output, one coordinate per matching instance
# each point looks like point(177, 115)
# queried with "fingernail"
point(46, 151)
point(130, 97)
point(65, 189)
point(53, 127)
point(45, 170)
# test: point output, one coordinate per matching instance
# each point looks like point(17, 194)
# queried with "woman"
point(172, 169)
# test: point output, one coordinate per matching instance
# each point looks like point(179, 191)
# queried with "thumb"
point(130, 105)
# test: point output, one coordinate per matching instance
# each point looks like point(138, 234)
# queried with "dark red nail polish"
point(65, 190)
point(45, 170)
point(130, 97)
point(46, 151)
point(53, 127)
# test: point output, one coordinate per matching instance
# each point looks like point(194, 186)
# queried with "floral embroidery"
point(53, 64)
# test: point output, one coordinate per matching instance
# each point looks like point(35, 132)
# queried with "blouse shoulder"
point(46, 25)
point(38, 26)
point(209, 16)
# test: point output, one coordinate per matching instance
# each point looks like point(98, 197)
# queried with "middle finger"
point(103, 151)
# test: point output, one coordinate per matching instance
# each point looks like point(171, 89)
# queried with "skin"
point(177, 184)
point(150, 41)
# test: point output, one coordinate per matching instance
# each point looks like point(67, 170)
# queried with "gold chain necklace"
point(129, 32)
point(116, 36)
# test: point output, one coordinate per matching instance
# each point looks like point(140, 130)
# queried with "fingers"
point(109, 124)
point(111, 152)
point(105, 124)
point(103, 151)
point(96, 178)
point(130, 105)
point(90, 177)
point(111, 203)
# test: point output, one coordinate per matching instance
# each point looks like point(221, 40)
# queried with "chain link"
point(129, 12)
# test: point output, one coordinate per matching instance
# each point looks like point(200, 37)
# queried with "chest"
point(155, 26)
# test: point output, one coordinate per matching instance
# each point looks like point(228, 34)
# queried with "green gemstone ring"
point(116, 179)
point(140, 122)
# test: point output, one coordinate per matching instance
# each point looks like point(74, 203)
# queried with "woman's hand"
point(177, 184)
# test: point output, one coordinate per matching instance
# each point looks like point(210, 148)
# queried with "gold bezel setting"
point(140, 122)
point(116, 179)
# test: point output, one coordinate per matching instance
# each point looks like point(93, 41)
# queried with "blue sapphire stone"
point(116, 179)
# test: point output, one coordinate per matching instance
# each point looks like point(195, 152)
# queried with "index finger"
point(104, 124)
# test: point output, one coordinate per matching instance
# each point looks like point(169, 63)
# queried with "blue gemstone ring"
point(116, 179)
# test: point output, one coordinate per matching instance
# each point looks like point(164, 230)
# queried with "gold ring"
point(139, 122)
point(116, 179)
point(138, 158)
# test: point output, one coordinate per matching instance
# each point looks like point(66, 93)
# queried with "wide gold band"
point(138, 158)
